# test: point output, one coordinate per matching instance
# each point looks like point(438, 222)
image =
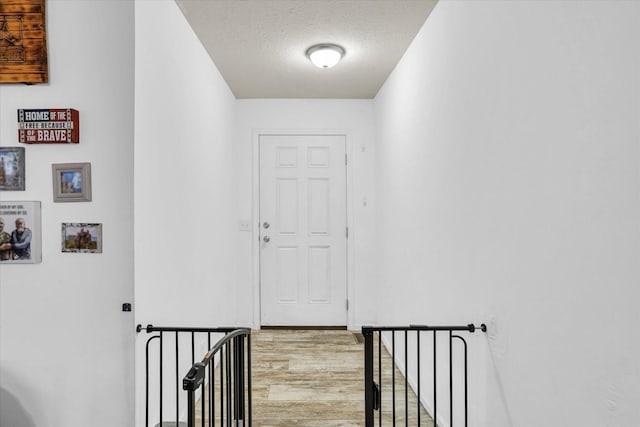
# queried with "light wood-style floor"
point(315, 378)
point(310, 378)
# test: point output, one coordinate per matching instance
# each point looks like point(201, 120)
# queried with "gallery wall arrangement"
point(20, 232)
point(23, 59)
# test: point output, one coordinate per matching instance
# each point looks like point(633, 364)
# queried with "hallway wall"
point(356, 118)
point(66, 347)
point(185, 221)
point(507, 177)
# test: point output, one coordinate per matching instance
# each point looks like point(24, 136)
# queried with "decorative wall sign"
point(82, 237)
point(12, 175)
point(49, 126)
point(71, 182)
point(20, 241)
point(23, 42)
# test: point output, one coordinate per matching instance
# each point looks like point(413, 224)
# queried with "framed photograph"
point(12, 169)
point(82, 237)
point(72, 182)
point(20, 241)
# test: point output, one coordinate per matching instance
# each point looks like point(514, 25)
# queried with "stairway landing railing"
point(170, 352)
point(374, 390)
point(233, 383)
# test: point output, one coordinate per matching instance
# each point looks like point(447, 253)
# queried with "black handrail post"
point(466, 390)
point(393, 375)
point(212, 393)
point(368, 375)
point(229, 383)
point(418, 369)
point(239, 377)
point(249, 375)
point(160, 367)
point(191, 409)
point(190, 383)
point(450, 379)
point(406, 378)
point(222, 363)
point(147, 380)
point(378, 405)
point(177, 378)
point(435, 381)
point(202, 403)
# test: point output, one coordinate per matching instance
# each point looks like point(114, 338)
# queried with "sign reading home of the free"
point(49, 126)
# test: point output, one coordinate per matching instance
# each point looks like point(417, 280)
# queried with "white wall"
point(356, 118)
point(507, 180)
point(66, 348)
point(185, 221)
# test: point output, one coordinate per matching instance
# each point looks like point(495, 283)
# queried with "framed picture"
point(20, 241)
point(12, 169)
point(72, 182)
point(82, 237)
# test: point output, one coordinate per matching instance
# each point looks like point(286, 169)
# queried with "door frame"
point(255, 229)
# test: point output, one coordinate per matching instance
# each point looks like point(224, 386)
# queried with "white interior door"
point(303, 241)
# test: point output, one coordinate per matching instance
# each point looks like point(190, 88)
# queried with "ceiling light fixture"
point(325, 55)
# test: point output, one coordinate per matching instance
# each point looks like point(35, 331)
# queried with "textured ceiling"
point(259, 45)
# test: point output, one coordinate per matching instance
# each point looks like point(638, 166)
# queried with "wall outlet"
point(244, 225)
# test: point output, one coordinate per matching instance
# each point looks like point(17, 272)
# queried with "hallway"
point(493, 177)
point(307, 378)
point(314, 378)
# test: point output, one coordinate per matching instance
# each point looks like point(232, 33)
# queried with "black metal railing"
point(166, 363)
point(399, 408)
point(230, 390)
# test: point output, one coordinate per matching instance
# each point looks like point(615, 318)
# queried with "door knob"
point(266, 239)
point(266, 224)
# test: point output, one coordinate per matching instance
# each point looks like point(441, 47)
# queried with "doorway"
point(302, 230)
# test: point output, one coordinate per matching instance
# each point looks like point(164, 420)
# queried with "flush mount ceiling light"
point(325, 55)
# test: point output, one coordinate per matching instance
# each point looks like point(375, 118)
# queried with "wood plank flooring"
point(315, 378)
point(307, 378)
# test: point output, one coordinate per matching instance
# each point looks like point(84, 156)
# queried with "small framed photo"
point(20, 237)
point(82, 237)
point(12, 174)
point(72, 182)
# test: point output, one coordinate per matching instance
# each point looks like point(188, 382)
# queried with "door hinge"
point(345, 159)
point(347, 305)
point(346, 234)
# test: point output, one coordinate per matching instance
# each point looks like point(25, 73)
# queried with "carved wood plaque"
point(23, 42)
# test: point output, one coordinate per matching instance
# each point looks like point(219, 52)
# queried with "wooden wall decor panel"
point(23, 42)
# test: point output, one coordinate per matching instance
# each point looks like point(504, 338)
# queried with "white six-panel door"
point(303, 242)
